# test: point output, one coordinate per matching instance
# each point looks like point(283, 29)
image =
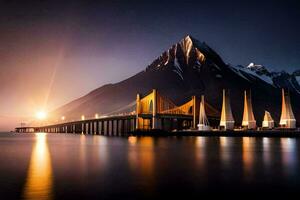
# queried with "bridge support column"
point(155, 120)
point(138, 110)
point(78, 128)
point(106, 128)
point(117, 127)
point(194, 112)
point(101, 127)
point(97, 128)
point(122, 126)
point(135, 121)
point(89, 128)
point(110, 126)
point(93, 128)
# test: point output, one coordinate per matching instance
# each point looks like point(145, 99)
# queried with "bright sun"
point(41, 115)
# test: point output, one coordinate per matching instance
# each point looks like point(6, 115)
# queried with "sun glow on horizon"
point(41, 115)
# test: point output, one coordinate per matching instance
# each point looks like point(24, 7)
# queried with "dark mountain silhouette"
point(188, 68)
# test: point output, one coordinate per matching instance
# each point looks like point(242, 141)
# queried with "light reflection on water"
point(141, 161)
point(82, 154)
point(225, 145)
point(289, 154)
point(266, 152)
point(200, 143)
point(141, 156)
point(145, 165)
point(39, 181)
point(248, 157)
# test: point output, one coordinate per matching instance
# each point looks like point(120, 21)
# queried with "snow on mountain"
point(186, 45)
point(254, 66)
point(276, 79)
point(252, 70)
point(191, 53)
point(281, 79)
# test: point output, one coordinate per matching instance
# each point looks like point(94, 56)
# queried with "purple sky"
point(52, 53)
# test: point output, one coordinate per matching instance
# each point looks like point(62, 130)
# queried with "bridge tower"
point(147, 111)
point(138, 111)
point(155, 123)
point(287, 119)
point(194, 100)
point(268, 122)
point(249, 121)
point(227, 120)
point(203, 121)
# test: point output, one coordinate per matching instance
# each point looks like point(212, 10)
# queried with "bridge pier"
point(101, 128)
point(88, 128)
point(93, 128)
point(25, 130)
point(109, 127)
point(116, 127)
point(97, 128)
point(105, 124)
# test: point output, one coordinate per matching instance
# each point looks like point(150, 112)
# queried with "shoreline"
point(185, 133)
point(249, 133)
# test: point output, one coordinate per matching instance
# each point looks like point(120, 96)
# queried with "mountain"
point(278, 79)
point(187, 68)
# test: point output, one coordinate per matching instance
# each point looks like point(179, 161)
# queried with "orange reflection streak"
point(82, 153)
point(39, 181)
point(132, 140)
point(147, 157)
point(200, 142)
point(247, 157)
point(223, 141)
point(224, 150)
point(142, 159)
point(200, 153)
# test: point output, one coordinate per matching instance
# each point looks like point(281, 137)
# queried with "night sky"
point(52, 53)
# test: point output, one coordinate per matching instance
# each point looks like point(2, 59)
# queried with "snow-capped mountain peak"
point(276, 79)
point(254, 66)
point(189, 54)
point(186, 45)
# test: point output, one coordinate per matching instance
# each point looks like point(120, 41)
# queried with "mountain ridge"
point(187, 68)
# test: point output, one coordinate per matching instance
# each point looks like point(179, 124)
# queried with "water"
point(61, 166)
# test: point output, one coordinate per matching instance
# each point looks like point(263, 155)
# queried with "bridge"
point(148, 112)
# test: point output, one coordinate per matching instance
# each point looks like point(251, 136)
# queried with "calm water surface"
point(61, 166)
